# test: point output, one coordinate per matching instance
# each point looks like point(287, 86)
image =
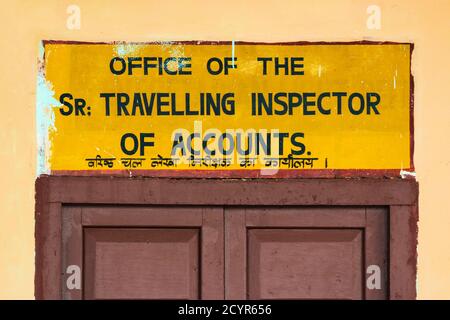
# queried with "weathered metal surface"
point(157, 109)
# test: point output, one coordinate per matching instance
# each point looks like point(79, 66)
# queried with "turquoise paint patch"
point(45, 120)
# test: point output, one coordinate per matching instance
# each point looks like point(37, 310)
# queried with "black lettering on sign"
point(143, 65)
point(71, 105)
point(130, 143)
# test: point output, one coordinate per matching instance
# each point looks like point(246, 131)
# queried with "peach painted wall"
point(25, 23)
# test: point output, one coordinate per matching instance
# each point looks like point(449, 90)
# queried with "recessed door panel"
point(305, 264)
point(141, 263)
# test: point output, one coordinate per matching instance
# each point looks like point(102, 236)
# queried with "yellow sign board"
point(225, 109)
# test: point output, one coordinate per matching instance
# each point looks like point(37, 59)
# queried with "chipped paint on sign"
point(45, 118)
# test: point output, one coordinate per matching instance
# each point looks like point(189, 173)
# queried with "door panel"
point(144, 252)
point(305, 253)
point(304, 263)
point(141, 263)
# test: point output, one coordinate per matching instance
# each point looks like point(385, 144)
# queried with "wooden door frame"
point(400, 196)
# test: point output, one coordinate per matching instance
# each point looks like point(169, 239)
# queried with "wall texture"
point(25, 23)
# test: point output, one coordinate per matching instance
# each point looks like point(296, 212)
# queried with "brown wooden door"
point(181, 253)
point(144, 252)
point(305, 253)
point(187, 238)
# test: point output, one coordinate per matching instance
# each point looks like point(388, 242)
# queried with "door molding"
point(86, 224)
point(247, 229)
point(54, 192)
